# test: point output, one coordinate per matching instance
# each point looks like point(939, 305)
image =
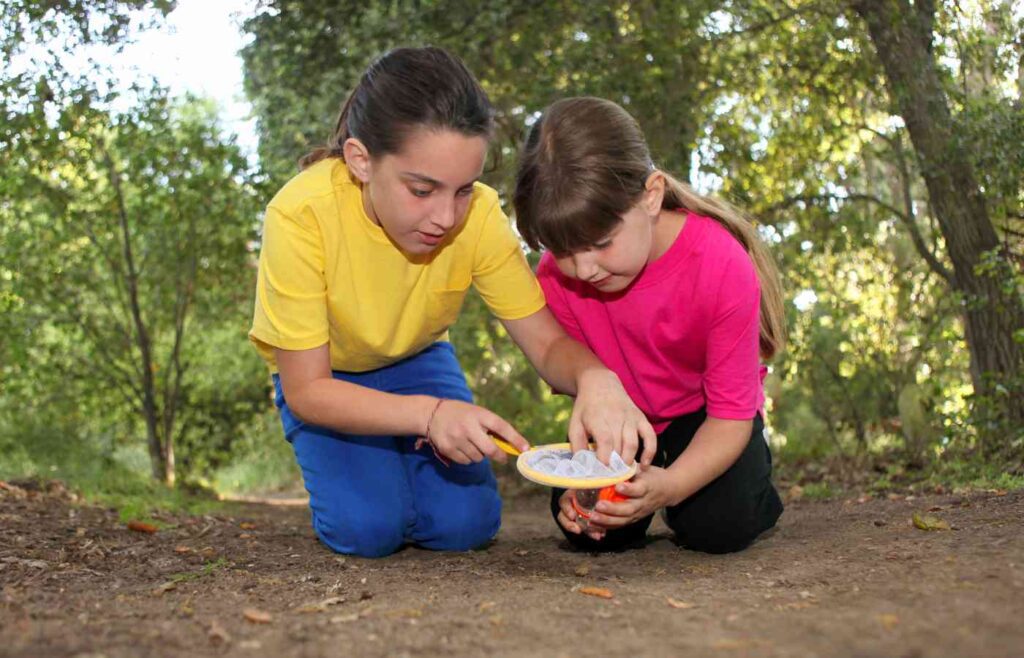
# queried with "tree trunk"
point(902, 34)
point(160, 454)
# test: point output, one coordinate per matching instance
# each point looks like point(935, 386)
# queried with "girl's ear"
point(357, 157)
point(654, 193)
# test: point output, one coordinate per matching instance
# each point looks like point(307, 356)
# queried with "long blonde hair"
point(586, 163)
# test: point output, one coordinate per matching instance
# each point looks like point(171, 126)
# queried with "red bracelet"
point(426, 435)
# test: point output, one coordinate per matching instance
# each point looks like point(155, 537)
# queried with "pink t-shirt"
point(684, 335)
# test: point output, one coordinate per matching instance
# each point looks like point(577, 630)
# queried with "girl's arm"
point(603, 409)
point(715, 447)
point(458, 430)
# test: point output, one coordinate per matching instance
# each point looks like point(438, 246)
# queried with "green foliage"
point(818, 491)
point(48, 445)
point(125, 243)
point(786, 111)
point(783, 110)
point(260, 461)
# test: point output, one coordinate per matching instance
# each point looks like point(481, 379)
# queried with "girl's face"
point(644, 233)
point(421, 194)
point(614, 262)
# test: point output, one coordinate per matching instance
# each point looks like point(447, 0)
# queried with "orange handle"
point(606, 493)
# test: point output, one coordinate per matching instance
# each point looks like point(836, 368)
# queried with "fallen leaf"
point(217, 634)
point(15, 490)
point(522, 552)
point(796, 492)
point(889, 621)
point(679, 605)
point(166, 587)
point(596, 591)
point(245, 525)
point(257, 616)
point(486, 605)
point(344, 619)
point(928, 522)
point(140, 526)
point(582, 570)
point(182, 549)
point(244, 535)
point(320, 606)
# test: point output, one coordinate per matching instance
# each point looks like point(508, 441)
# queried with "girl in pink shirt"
point(675, 293)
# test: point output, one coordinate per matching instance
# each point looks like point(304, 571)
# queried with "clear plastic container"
point(583, 502)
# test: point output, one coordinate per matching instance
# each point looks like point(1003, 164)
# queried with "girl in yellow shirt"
point(367, 255)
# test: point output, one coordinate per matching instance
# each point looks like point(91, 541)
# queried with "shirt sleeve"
point(500, 272)
point(732, 370)
point(291, 288)
point(554, 294)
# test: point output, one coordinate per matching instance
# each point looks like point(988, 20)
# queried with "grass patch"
point(973, 474)
point(819, 491)
point(207, 569)
point(262, 461)
point(97, 472)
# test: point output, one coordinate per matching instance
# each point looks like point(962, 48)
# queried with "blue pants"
point(369, 495)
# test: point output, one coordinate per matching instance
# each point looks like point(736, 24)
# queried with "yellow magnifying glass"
point(505, 446)
point(563, 482)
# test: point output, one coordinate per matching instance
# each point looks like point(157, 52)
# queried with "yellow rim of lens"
point(563, 482)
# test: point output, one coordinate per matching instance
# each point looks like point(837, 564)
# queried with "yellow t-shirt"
point(328, 274)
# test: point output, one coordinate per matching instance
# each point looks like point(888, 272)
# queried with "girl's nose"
point(446, 214)
point(585, 267)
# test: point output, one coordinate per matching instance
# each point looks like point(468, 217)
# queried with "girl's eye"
point(419, 193)
point(466, 191)
point(603, 245)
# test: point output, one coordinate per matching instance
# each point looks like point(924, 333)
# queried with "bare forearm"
point(353, 409)
point(715, 447)
point(566, 363)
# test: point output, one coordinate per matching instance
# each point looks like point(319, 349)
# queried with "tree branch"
point(907, 221)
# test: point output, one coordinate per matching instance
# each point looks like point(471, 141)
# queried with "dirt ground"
point(839, 578)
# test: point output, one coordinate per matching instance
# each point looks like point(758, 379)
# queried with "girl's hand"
point(461, 432)
point(604, 411)
point(651, 489)
point(567, 517)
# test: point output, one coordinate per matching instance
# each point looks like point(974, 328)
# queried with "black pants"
point(723, 517)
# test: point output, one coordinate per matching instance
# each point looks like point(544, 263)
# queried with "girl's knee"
point(466, 527)
point(364, 537)
point(717, 542)
point(724, 533)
